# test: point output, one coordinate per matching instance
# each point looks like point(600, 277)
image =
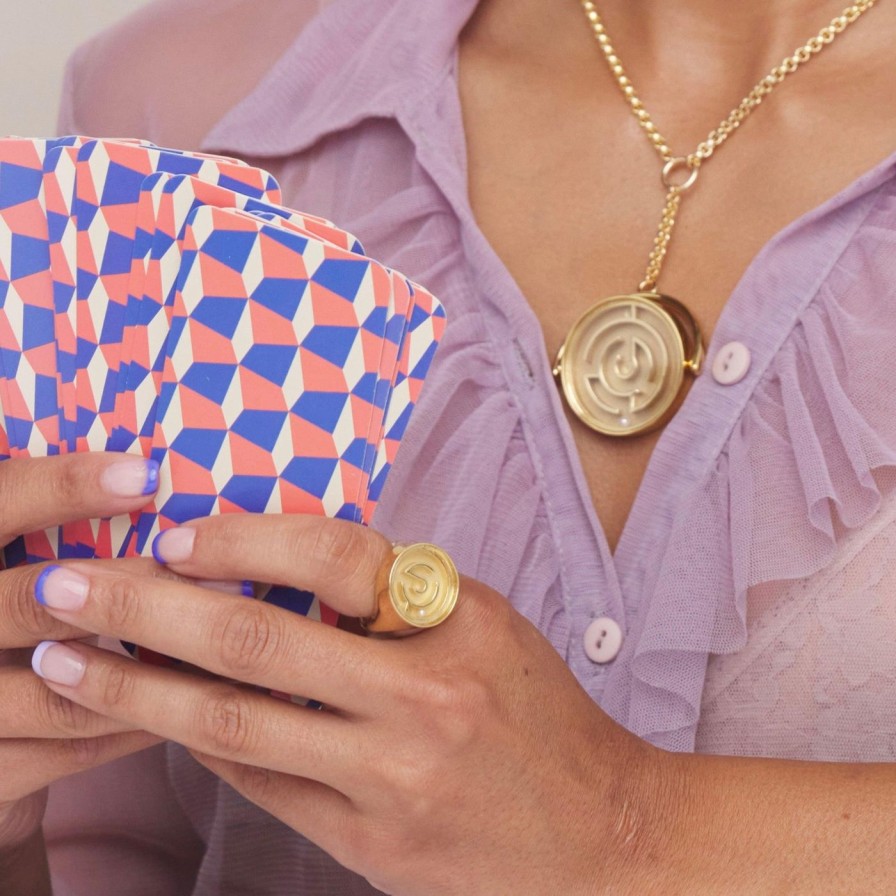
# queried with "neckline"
point(687, 431)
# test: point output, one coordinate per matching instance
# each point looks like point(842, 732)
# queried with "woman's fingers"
point(41, 492)
point(337, 560)
point(44, 737)
point(44, 492)
point(32, 710)
point(241, 639)
point(25, 622)
point(212, 717)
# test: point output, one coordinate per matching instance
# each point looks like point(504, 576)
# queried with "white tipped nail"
point(58, 663)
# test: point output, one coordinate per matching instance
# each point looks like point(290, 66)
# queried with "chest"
point(567, 190)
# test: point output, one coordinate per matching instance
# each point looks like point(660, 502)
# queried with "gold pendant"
point(623, 363)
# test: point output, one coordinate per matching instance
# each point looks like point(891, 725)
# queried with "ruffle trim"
point(811, 460)
point(464, 476)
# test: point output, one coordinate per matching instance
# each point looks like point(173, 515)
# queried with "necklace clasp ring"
point(673, 165)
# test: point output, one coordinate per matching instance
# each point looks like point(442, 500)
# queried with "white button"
point(603, 638)
point(731, 363)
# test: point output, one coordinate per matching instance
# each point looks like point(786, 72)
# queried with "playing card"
point(254, 351)
point(425, 329)
point(109, 175)
point(394, 354)
point(163, 208)
point(26, 316)
point(143, 314)
point(315, 226)
point(27, 345)
point(386, 325)
point(265, 347)
point(57, 198)
point(165, 204)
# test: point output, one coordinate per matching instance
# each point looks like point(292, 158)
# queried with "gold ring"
point(416, 587)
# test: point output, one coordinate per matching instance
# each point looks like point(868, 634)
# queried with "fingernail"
point(132, 478)
point(237, 589)
point(58, 662)
point(61, 589)
point(174, 545)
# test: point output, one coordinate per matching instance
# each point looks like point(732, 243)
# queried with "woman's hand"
point(43, 736)
point(464, 759)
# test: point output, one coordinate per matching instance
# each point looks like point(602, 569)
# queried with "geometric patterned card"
point(166, 303)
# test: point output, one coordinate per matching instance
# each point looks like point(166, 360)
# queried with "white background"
point(38, 37)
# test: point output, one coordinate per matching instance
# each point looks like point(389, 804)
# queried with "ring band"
point(416, 587)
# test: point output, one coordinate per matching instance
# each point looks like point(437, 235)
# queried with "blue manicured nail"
point(41, 582)
point(174, 545)
point(152, 477)
point(131, 477)
point(61, 589)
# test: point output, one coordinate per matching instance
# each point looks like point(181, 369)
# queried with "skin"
point(44, 738)
point(429, 756)
point(411, 728)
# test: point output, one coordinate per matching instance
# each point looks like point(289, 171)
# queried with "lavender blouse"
point(753, 585)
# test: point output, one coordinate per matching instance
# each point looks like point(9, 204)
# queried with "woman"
point(735, 596)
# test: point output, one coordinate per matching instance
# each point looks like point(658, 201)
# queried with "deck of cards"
point(164, 303)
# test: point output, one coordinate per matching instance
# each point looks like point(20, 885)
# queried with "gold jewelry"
point(622, 364)
point(416, 587)
point(620, 393)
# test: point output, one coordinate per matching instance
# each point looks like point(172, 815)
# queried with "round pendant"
point(623, 362)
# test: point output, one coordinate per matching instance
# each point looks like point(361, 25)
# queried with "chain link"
point(721, 133)
point(746, 106)
point(661, 241)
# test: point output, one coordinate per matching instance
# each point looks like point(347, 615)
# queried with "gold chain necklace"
point(622, 365)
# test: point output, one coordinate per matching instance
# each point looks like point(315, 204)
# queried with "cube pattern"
point(166, 303)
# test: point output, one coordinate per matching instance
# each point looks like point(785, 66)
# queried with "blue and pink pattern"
point(164, 302)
